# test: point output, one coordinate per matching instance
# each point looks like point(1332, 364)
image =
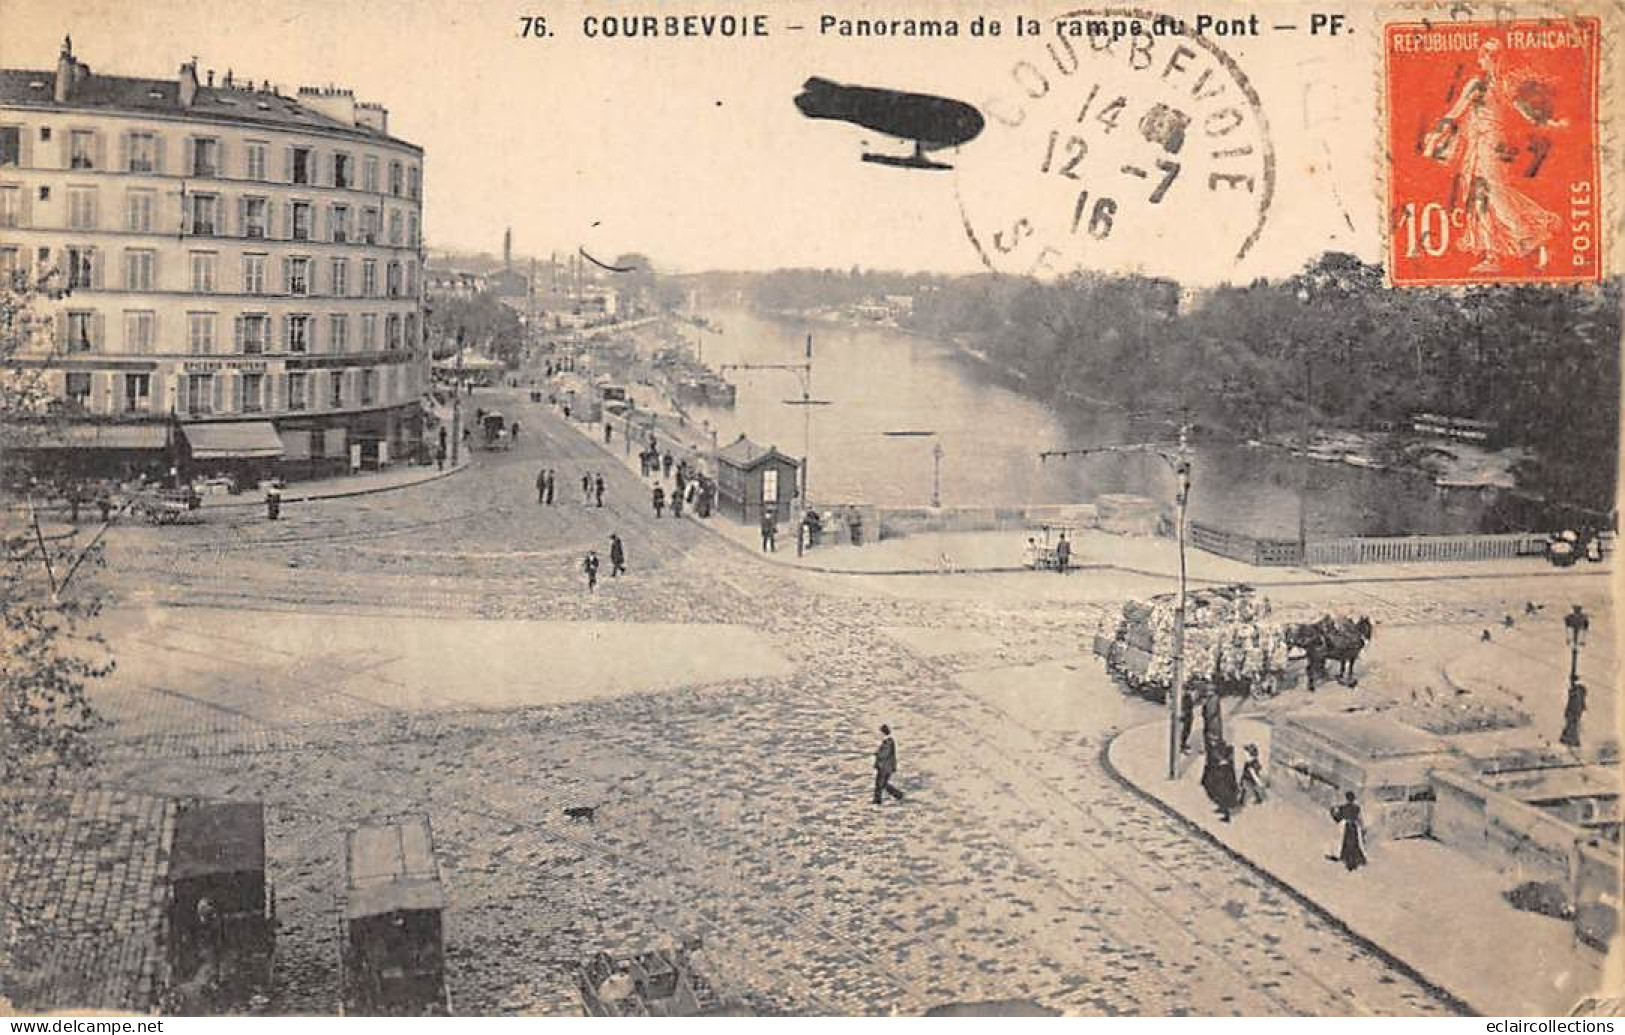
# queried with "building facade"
point(219, 255)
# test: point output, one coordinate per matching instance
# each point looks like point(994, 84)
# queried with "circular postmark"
point(1119, 140)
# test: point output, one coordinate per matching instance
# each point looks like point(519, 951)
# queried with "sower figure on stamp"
point(886, 765)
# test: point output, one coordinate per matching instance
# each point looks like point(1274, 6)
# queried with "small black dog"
point(586, 812)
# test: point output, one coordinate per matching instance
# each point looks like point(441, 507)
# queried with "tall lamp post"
point(1178, 460)
point(1578, 624)
point(936, 461)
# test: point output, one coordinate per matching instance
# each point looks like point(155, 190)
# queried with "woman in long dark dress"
point(1352, 852)
point(1219, 779)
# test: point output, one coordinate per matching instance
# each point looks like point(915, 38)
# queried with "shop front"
point(238, 454)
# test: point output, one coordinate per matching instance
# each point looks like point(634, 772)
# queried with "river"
point(880, 380)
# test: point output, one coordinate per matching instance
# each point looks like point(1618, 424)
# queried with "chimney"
point(188, 83)
point(336, 103)
point(372, 116)
point(66, 71)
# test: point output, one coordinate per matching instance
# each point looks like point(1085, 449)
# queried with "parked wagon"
point(653, 983)
point(392, 954)
point(221, 909)
point(168, 506)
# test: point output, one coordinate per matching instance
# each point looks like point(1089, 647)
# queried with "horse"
point(1329, 639)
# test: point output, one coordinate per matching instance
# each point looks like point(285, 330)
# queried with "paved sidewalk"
point(1426, 905)
point(366, 483)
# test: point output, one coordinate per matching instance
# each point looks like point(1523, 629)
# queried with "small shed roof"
point(392, 868)
point(218, 837)
point(746, 455)
point(255, 438)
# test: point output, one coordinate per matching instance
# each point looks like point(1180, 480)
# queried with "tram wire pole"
point(1179, 460)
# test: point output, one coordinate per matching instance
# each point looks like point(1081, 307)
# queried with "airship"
point(931, 122)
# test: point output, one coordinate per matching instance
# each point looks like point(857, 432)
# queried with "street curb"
point(350, 494)
point(1454, 1001)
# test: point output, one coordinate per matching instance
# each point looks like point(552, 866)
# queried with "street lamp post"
point(1179, 460)
point(936, 476)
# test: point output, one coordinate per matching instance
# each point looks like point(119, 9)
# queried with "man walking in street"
point(541, 486)
point(886, 765)
point(1187, 718)
point(1063, 554)
point(617, 556)
point(659, 500)
point(770, 532)
point(550, 476)
point(589, 567)
point(513, 432)
point(586, 489)
point(598, 490)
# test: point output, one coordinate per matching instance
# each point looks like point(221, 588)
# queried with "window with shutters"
point(369, 226)
point(369, 386)
point(412, 230)
point(369, 278)
point(299, 223)
point(413, 182)
point(296, 270)
point(300, 163)
point(369, 332)
point(137, 393)
point(138, 269)
point(411, 280)
point(341, 277)
point(205, 212)
point(397, 182)
point(298, 332)
point(77, 388)
point(11, 206)
point(338, 332)
point(81, 149)
point(335, 389)
point(395, 233)
point(12, 273)
point(411, 330)
point(253, 333)
point(138, 209)
point(200, 333)
point(369, 174)
point(142, 156)
point(298, 390)
point(343, 170)
point(81, 262)
point(392, 331)
point(82, 208)
point(203, 269)
point(251, 394)
point(253, 274)
point(254, 160)
point(205, 156)
point(140, 331)
point(11, 145)
point(256, 217)
point(81, 331)
point(199, 394)
point(392, 280)
point(340, 220)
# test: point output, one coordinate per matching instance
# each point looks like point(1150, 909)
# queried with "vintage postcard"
point(917, 508)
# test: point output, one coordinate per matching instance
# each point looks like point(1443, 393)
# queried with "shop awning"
point(244, 441)
point(93, 436)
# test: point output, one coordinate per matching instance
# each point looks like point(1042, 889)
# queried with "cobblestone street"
point(733, 804)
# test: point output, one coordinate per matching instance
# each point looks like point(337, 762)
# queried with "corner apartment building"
point(239, 271)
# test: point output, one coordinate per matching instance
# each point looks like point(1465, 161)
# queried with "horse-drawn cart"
point(391, 951)
point(167, 506)
point(1230, 644)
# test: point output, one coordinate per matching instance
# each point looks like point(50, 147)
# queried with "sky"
point(691, 151)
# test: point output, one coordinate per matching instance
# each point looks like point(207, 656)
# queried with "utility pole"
point(1179, 460)
point(803, 372)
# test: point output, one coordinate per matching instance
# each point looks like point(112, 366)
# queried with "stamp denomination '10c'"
point(1492, 147)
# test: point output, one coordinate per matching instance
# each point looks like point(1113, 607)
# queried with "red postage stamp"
point(1492, 150)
